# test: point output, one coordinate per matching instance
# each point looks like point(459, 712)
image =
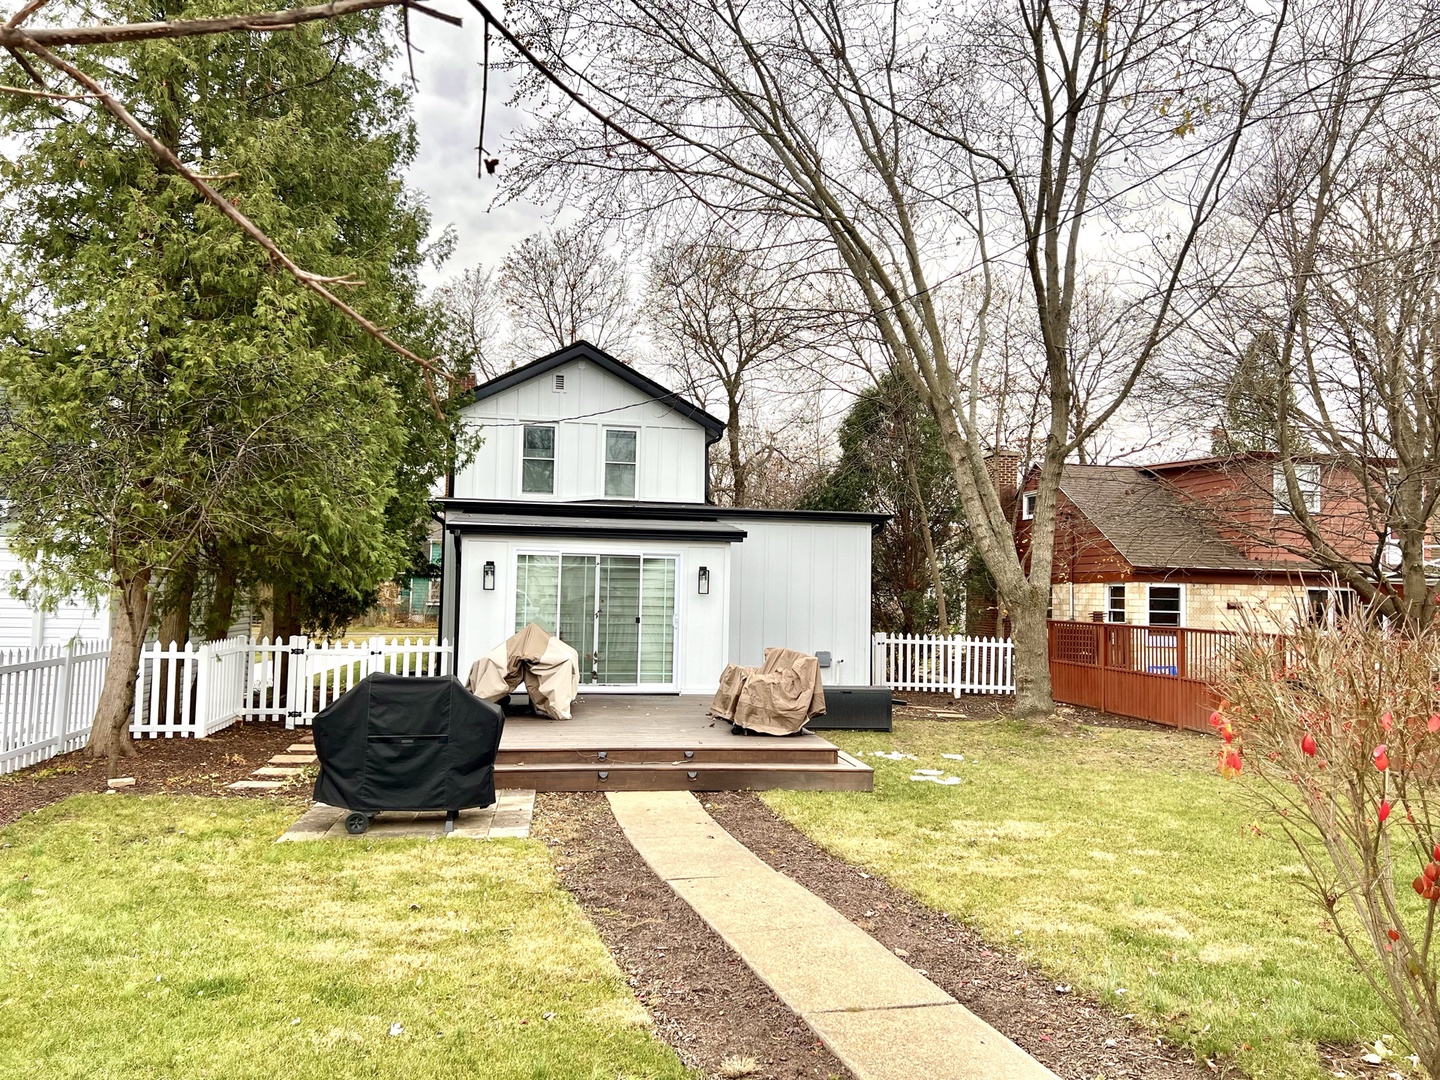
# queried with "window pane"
point(540, 442)
point(657, 621)
point(620, 481)
point(620, 446)
point(1165, 605)
point(1116, 603)
point(537, 590)
point(537, 477)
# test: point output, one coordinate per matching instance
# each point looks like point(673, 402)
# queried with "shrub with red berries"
point(1342, 729)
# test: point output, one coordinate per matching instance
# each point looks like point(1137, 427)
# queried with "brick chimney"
point(1004, 469)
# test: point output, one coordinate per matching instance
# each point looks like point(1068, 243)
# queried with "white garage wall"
point(802, 585)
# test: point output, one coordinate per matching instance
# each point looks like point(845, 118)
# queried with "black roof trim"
point(593, 528)
point(652, 510)
point(583, 350)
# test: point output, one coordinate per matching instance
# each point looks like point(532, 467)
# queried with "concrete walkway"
point(879, 1016)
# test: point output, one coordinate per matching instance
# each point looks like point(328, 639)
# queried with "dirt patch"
point(162, 766)
point(1077, 1037)
point(706, 1003)
point(985, 707)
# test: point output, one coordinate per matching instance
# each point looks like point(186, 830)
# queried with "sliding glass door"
point(617, 611)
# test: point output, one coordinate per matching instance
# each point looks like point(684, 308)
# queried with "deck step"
point(843, 774)
point(763, 751)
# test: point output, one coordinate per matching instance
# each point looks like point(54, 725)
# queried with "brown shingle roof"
point(1147, 522)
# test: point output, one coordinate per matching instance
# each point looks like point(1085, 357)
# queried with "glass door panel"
point(657, 621)
point(617, 629)
point(537, 591)
point(577, 610)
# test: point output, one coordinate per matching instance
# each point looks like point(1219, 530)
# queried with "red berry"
point(1393, 935)
point(1384, 811)
point(1228, 735)
point(1215, 719)
point(1382, 759)
point(1307, 744)
point(1419, 885)
point(1431, 871)
point(1433, 724)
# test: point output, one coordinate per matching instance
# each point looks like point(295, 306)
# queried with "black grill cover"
point(398, 742)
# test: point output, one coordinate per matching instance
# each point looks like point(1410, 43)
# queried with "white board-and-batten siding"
point(802, 585)
point(670, 453)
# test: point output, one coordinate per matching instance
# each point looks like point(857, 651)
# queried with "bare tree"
point(924, 152)
point(562, 286)
point(1341, 300)
point(468, 308)
point(723, 316)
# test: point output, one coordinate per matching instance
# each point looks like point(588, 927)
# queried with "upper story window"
point(1027, 504)
point(537, 461)
point(620, 462)
point(435, 552)
point(1308, 479)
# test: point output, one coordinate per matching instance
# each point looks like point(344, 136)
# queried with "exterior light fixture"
point(487, 577)
point(704, 581)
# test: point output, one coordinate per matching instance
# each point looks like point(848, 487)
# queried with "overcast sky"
point(447, 114)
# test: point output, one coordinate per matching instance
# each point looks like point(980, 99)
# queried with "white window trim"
point(605, 459)
point(1110, 607)
point(555, 459)
point(1280, 494)
point(1184, 603)
point(1028, 500)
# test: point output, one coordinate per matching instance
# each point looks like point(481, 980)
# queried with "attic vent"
point(559, 384)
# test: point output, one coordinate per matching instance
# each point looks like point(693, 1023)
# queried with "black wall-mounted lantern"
point(487, 577)
point(704, 581)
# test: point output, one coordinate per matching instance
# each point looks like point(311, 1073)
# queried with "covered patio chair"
point(549, 668)
point(774, 699)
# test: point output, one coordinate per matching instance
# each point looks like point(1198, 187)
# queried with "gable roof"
point(1147, 522)
point(583, 350)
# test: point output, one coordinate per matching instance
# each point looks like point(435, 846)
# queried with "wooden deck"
point(664, 743)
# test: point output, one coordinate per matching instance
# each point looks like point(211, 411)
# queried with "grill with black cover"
point(407, 743)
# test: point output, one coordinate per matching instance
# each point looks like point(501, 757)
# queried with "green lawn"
point(170, 938)
point(1119, 862)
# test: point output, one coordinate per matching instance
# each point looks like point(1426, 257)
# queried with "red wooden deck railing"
point(1162, 673)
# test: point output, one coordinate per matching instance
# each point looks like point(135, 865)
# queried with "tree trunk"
point(285, 616)
point(108, 737)
point(1029, 633)
point(220, 611)
point(738, 493)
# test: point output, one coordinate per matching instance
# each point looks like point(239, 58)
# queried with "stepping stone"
point(313, 824)
point(301, 748)
point(281, 770)
point(256, 785)
point(121, 781)
point(293, 759)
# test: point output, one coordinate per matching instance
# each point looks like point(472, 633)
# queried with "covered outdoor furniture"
point(407, 743)
point(549, 668)
point(775, 699)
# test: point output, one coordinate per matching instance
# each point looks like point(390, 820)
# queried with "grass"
point(169, 938)
point(1119, 862)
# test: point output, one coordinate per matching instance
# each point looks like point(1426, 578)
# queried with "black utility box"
point(854, 708)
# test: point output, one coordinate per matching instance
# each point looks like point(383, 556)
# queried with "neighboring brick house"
point(1202, 543)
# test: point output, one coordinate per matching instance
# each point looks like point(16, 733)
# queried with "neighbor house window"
point(1115, 603)
point(537, 464)
point(620, 458)
point(1324, 607)
point(1027, 504)
point(1166, 605)
point(1307, 477)
point(432, 593)
point(435, 552)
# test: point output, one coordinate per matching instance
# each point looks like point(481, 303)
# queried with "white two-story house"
point(586, 510)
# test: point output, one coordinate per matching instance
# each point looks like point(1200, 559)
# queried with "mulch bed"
point(706, 1003)
point(161, 766)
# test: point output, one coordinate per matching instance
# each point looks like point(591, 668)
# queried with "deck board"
point(616, 722)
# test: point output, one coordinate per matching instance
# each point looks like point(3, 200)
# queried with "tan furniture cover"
point(775, 699)
point(548, 667)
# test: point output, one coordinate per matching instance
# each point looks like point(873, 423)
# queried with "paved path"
point(508, 819)
point(879, 1016)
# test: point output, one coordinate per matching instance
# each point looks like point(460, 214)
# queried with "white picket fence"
point(47, 698)
point(945, 664)
point(235, 679)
